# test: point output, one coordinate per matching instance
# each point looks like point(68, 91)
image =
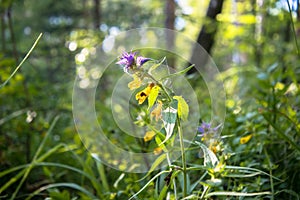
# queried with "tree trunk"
point(206, 36)
point(169, 24)
point(97, 13)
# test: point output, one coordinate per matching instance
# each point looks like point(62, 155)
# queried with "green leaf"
point(153, 67)
point(153, 96)
point(183, 107)
point(178, 73)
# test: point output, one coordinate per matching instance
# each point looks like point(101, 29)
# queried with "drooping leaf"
point(183, 107)
point(169, 117)
point(210, 159)
point(136, 83)
point(156, 112)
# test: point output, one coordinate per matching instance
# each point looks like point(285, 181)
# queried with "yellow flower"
point(142, 95)
point(149, 135)
point(157, 111)
point(245, 139)
point(157, 150)
point(136, 83)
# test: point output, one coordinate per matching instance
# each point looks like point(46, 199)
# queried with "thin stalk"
point(21, 63)
point(174, 182)
point(183, 159)
point(35, 158)
point(293, 27)
point(270, 171)
point(205, 190)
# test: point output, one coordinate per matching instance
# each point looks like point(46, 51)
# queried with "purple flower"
point(206, 128)
point(130, 61)
point(127, 60)
point(141, 60)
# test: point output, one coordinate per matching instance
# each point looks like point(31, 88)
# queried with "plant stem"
point(270, 171)
point(174, 182)
point(183, 159)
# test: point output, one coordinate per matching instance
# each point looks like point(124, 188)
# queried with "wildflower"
point(157, 150)
point(141, 60)
point(142, 95)
point(130, 61)
point(206, 128)
point(245, 139)
point(149, 135)
point(208, 133)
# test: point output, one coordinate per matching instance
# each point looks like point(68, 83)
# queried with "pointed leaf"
point(157, 65)
point(178, 73)
point(153, 96)
point(183, 107)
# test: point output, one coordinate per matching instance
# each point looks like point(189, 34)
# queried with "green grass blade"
point(13, 169)
point(12, 180)
point(102, 175)
point(152, 179)
point(250, 170)
point(159, 160)
point(21, 63)
point(12, 115)
point(240, 194)
point(30, 167)
point(56, 185)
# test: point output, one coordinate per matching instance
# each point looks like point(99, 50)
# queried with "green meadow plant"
point(164, 112)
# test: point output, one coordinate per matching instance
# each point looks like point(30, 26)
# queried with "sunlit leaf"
point(183, 108)
point(153, 96)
